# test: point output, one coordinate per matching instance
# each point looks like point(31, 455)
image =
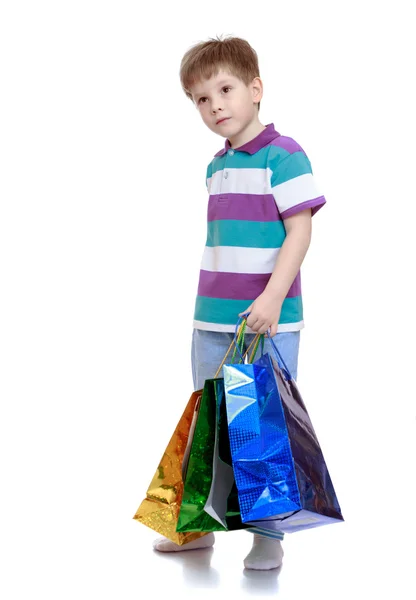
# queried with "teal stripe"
point(209, 173)
point(246, 234)
point(292, 166)
point(225, 312)
point(284, 166)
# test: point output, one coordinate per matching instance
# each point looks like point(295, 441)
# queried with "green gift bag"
point(210, 498)
point(207, 501)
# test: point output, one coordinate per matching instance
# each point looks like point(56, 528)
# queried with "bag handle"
point(239, 339)
point(280, 361)
point(260, 338)
point(256, 342)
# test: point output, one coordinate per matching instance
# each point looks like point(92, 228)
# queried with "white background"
point(102, 224)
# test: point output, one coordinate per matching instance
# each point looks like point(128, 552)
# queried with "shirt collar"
point(256, 144)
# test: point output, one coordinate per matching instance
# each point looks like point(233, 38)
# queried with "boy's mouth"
point(222, 120)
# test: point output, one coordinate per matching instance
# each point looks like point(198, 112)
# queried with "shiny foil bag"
point(282, 479)
point(160, 509)
point(210, 500)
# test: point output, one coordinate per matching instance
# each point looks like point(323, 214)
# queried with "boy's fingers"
point(273, 330)
point(245, 311)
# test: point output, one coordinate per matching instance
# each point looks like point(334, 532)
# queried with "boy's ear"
point(257, 89)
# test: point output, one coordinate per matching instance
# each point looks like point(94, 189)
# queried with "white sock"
point(265, 554)
point(165, 545)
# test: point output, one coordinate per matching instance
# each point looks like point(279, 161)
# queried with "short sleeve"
point(293, 185)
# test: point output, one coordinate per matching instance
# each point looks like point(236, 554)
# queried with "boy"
point(261, 200)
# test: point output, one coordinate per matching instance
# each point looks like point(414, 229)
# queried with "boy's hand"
point(264, 313)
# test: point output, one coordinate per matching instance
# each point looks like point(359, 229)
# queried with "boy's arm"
point(265, 310)
point(298, 200)
point(291, 255)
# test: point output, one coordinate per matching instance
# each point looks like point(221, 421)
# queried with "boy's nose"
point(217, 107)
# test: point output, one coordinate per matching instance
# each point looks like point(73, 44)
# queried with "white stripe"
point(295, 191)
point(241, 181)
point(234, 259)
point(283, 327)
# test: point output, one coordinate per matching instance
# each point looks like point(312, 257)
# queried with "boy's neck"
point(251, 131)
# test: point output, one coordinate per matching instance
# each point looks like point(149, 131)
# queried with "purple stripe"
point(238, 286)
point(315, 205)
point(288, 144)
point(243, 207)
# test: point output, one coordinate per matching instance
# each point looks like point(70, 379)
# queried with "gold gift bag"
point(160, 509)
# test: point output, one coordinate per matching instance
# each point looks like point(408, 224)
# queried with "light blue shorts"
point(210, 347)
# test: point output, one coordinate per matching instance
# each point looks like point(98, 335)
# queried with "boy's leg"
point(208, 351)
point(288, 345)
point(267, 552)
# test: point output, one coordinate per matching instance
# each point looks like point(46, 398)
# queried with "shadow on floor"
point(196, 567)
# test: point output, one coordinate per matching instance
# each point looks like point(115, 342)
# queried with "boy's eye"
point(224, 88)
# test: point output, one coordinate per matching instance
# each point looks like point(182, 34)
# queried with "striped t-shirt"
point(252, 189)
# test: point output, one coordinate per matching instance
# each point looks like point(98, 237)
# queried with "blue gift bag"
point(282, 480)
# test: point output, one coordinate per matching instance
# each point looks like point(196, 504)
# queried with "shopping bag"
point(210, 498)
point(160, 509)
point(280, 472)
point(210, 501)
point(222, 503)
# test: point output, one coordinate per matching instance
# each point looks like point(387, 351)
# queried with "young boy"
point(261, 199)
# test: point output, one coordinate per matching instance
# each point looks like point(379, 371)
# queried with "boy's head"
point(222, 78)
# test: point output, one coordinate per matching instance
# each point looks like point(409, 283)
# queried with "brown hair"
point(204, 60)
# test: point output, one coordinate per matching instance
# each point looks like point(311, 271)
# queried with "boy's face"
point(225, 96)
